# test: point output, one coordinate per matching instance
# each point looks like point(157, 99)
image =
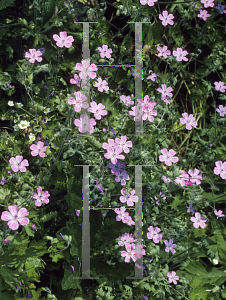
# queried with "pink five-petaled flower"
point(128, 197)
point(121, 176)
point(76, 81)
point(170, 246)
point(154, 234)
point(111, 144)
point(163, 51)
point(180, 54)
point(33, 55)
point(63, 40)
point(182, 178)
point(148, 111)
point(38, 149)
point(221, 110)
point(195, 178)
point(188, 120)
point(123, 144)
point(172, 277)
point(14, 217)
point(167, 157)
point(104, 51)
point(198, 221)
point(86, 69)
point(126, 100)
point(41, 197)
point(85, 124)
point(137, 113)
point(165, 91)
point(97, 110)
point(166, 18)
point(120, 213)
point(219, 86)
point(153, 76)
point(114, 154)
point(149, 2)
point(101, 85)
point(203, 14)
point(218, 213)
point(17, 164)
point(220, 169)
point(208, 3)
point(78, 101)
point(138, 250)
point(129, 253)
point(126, 239)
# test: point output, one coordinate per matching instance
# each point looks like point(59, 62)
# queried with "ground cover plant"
point(46, 134)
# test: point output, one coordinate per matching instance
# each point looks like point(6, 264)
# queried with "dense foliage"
point(42, 143)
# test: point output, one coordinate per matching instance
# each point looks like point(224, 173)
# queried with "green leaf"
point(5, 3)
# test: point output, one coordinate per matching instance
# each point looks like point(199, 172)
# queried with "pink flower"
point(33, 55)
point(114, 154)
point(221, 110)
point(194, 176)
point(85, 124)
point(137, 113)
point(3, 181)
point(203, 14)
point(138, 250)
point(188, 120)
point(101, 84)
point(172, 277)
point(166, 179)
point(121, 176)
point(97, 110)
point(165, 91)
point(218, 213)
point(148, 111)
point(167, 157)
point(104, 51)
point(220, 169)
point(126, 239)
point(13, 217)
point(163, 51)
point(149, 2)
point(123, 144)
point(18, 164)
point(166, 18)
point(41, 197)
point(128, 197)
point(181, 179)
point(117, 167)
point(78, 101)
point(198, 221)
point(127, 100)
point(86, 69)
point(77, 212)
point(153, 76)
point(154, 234)
point(76, 81)
point(120, 213)
point(180, 54)
point(129, 253)
point(38, 149)
point(63, 40)
point(33, 227)
point(170, 246)
point(219, 86)
point(111, 144)
point(208, 3)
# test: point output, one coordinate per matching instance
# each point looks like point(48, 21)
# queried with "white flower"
point(15, 127)
point(32, 137)
point(24, 124)
point(19, 104)
point(10, 103)
point(215, 261)
point(46, 110)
